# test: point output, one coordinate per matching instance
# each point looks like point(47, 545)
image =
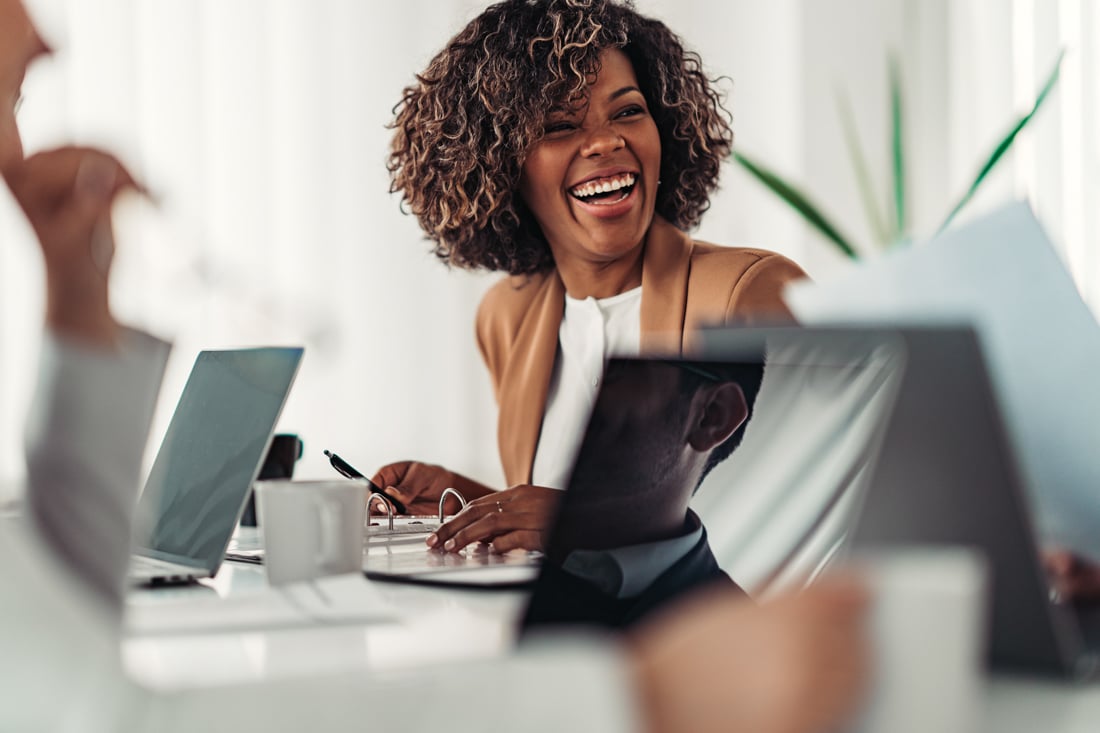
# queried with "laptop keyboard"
point(142, 567)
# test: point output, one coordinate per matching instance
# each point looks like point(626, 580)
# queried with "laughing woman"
point(570, 144)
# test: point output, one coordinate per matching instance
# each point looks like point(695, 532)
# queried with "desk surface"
point(434, 624)
point(430, 625)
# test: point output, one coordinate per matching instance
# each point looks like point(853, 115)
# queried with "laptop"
point(902, 446)
point(1023, 463)
point(948, 474)
point(211, 453)
point(789, 422)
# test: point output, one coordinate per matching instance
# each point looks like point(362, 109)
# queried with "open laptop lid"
point(947, 474)
point(625, 543)
point(211, 454)
point(1040, 345)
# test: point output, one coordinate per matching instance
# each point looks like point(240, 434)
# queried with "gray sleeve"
point(85, 437)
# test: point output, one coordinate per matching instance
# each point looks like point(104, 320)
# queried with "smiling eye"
point(559, 127)
point(632, 111)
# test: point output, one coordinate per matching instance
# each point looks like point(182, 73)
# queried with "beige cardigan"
point(685, 284)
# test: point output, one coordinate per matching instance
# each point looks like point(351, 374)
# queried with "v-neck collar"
point(526, 381)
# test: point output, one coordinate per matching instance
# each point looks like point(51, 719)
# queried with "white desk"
point(437, 624)
point(1033, 705)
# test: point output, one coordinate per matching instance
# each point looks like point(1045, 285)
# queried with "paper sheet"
point(1040, 339)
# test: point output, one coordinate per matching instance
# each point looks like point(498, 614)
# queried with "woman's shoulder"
point(503, 310)
point(742, 258)
point(730, 264)
point(746, 283)
point(505, 306)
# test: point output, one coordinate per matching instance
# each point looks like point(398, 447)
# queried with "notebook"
point(790, 423)
point(210, 455)
point(394, 550)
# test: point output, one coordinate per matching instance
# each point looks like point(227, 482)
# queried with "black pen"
point(346, 469)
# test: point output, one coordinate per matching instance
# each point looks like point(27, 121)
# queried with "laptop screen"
point(211, 454)
point(743, 468)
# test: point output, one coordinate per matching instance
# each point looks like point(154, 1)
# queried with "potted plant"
point(890, 230)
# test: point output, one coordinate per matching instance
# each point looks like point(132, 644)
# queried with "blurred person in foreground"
point(569, 144)
point(97, 380)
point(714, 664)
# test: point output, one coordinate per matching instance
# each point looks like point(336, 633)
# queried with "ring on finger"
point(499, 507)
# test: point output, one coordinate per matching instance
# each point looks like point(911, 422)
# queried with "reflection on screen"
point(780, 508)
point(785, 426)
point(211, 453)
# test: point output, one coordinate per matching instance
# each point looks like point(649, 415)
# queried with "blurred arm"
point(85, 437)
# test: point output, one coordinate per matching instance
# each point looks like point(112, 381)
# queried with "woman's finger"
point(492, 524)
point(391, 474)
point(445, 536)
point(400, 494)
point(520, 540)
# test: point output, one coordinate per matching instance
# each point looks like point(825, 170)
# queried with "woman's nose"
point(603, 140)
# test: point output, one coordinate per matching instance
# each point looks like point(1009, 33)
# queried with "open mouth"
point(605, 191)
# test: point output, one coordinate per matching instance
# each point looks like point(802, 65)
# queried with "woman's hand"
point(1074, 578)
point(67, 195)
point(419, 485)
point(518, 517)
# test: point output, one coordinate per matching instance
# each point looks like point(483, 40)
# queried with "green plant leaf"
point(901, 223)
point(859, 164)
point(1002, 147)
point(797, 200)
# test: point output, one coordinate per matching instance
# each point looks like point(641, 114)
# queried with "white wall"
point(261, 125)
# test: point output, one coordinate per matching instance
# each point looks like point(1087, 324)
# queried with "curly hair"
point(462, 132)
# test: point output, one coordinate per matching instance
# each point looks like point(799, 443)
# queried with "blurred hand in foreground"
point(794, 665)
point(1073, 578)
point(67, 195)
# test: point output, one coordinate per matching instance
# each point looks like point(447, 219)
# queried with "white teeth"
point(605, 186)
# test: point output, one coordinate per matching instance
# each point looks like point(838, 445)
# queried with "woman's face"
point(591, 182)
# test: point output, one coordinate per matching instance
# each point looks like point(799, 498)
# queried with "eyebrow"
point(620, 92)
point(564, 109)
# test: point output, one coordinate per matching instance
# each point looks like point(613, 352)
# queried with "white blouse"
point(591, 332)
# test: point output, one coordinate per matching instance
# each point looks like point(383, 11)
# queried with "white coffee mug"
point(928, 628)
point(311, 528)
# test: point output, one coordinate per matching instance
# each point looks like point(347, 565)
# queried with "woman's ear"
point(722, 409)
